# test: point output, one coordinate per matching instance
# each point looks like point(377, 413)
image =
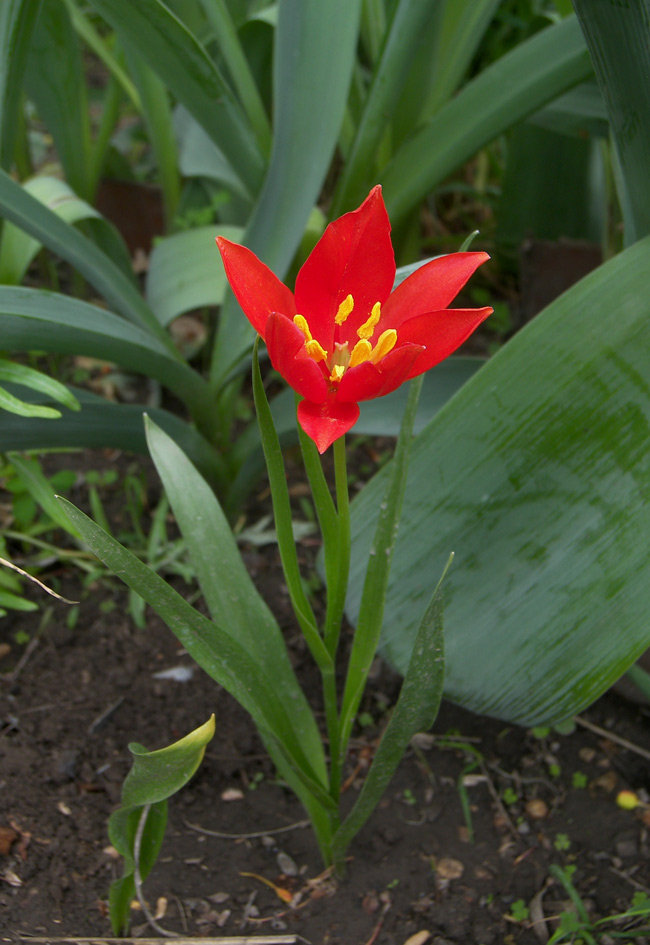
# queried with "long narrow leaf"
point(617, 37)
point(515, 86)
point(183, 64)
point(29, 214)
point(315, 45)
point(17, 20)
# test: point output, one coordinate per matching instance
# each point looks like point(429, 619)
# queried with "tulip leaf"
point(229, 592)
point(515, 86)
point(17, 21)
point(315, 50)
point(154, 777)
point(415, 711)
point(174, 52)
point(536, 474)
point(21, 408)
point(186, 272)
point(617, 38)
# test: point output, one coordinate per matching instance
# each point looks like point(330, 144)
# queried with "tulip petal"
point(367, 380)
point(326, 422)
point(431, 288)
point(258, 290)
point(441, 333)
point(353, 257)
point(286, 347)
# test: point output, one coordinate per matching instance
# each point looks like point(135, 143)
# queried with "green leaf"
point(18, 249)
point(105, 424)
point(17, 21)
point(199, 156)
point(218, 653)
point(55, 81)
point(21, 408)
point(229, 592)
point(154, 777)
point(518, 84)
point(536, 474)
point(183, 64)
point(28, 377)
point(29, 214)
point(416, 711)
point(616, 36)
point(315, 46)
point(33, 319)
point(15, 602)
point(580, 112)
point(41, 491)
point(186, 272)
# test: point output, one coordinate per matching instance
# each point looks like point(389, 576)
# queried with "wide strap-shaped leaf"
point(617, 37)
point(102, 424)
point(537, 475)
point(315, 50)
point(516, 85)
point(31, 215)
point(218, 653)
point(54, 322)
point(17, 20)
point(55, 81)
point(232, 598)
point(184, 65)
point(186, 271)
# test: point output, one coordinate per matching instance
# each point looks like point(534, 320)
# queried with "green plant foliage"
point(536, 474)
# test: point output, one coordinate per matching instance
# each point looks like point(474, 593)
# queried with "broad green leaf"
point(17, 21)
point(580, 112)
point(415, 711)
point(55, 81)
point(154, 777)
point(186, 272)
point(29, 214)
point(221, 656)
point(199, 156)
point(515, 86)
point(18, 249)
point(102, 424)
point(229, 592)
point(536, 474)
point(554, 186)
point(183, 64)
point(617, 37)
point(157, 775)
point(35, 319)
point(315, 46)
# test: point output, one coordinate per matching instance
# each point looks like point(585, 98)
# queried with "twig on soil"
point(380, 922)
point(137, 879)
point(22, 662)
point(623, 742)
point(499, 803)
point(181, 940)
point(630, 880)
point(247, 909)
point(246, 836)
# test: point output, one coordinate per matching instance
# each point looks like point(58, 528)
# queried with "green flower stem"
point(337, 591)
point(371, 613)
point(282, 513)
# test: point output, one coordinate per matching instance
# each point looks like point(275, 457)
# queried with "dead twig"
point(246, 836)
point(610, 736)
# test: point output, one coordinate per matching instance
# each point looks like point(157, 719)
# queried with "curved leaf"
point(518, 84)
point(536, 474)
point(17, 21)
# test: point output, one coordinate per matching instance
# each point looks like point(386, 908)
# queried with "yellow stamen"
point(301, 322)
point(368, 327)
point(385, 344)
point(345, 308)
point(315, 350)
point(337, 373)
point(361, 352)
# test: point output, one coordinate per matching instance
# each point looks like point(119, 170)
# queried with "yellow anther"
point(301, 322)
point(337, 373)
point(361, 352)
point(345, 308)
point(385, 344)
point(368, 327)
point(315, 350)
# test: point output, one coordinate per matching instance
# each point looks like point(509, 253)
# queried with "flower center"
point(341, 358)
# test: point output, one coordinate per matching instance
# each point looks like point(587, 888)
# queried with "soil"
point(72, 700)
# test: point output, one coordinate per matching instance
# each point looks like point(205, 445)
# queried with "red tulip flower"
point(343, 336)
